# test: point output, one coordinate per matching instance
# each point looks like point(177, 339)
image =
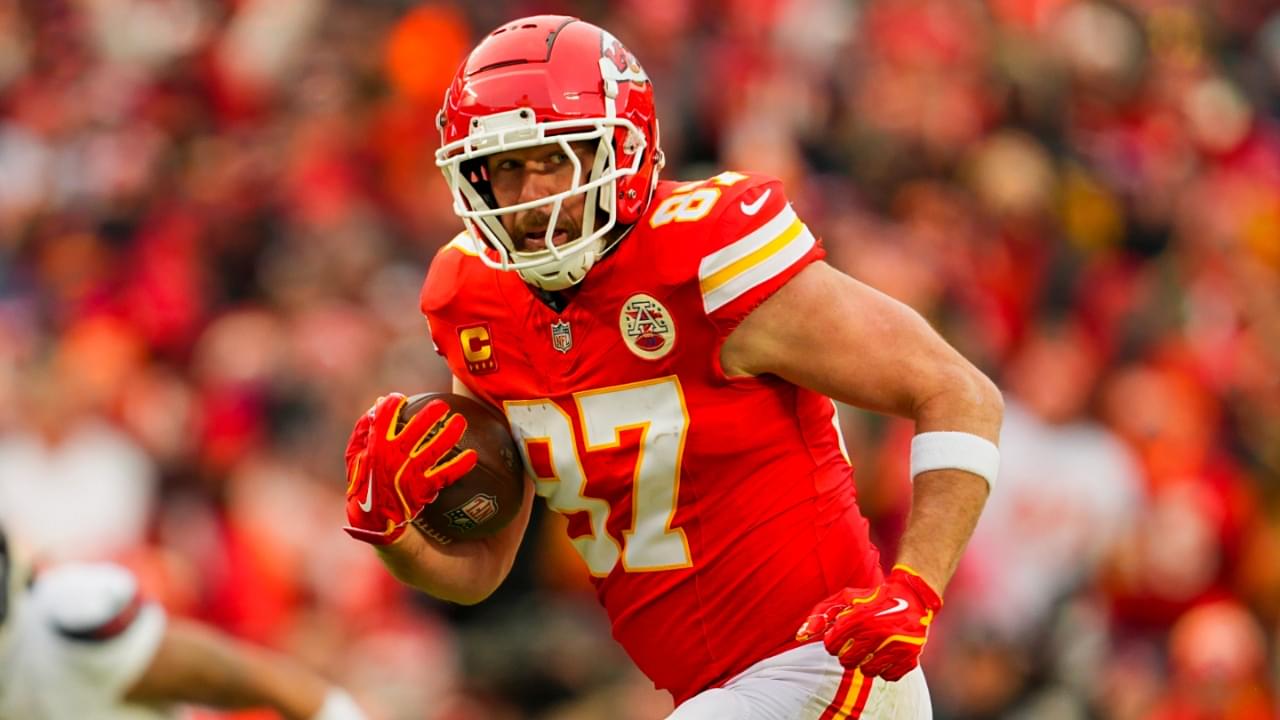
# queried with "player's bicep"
point(465, 571)
point(189, 660)
point(200, 665)
point(830, 333)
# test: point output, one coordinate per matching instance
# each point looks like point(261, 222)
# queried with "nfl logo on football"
point(561, 338)
point(468, 515)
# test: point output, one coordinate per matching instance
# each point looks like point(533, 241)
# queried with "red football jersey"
point(712, 512)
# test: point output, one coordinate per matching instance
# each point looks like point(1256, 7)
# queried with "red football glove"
point(392, 475)
point(880, 630)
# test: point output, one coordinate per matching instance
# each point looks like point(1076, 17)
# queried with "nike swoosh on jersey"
point(899, 606)
point(754, 207)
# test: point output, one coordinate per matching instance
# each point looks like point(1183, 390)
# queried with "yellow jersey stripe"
point(747, 244)
point(770, 264)
point(752, 259)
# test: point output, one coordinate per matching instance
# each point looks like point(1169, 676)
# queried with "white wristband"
point(955, 451)
point(338, 705)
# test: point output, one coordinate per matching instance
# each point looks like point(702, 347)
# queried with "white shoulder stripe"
point(726, 256)
point(760, 272)
point(465, 243)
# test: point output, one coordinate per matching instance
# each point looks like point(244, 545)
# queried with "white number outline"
point(693, 201)
point(635, 550)
point(631, 562)
point(589, 547)
point(685, 207)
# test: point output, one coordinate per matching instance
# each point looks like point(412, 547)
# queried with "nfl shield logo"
point(561, 338)
point(470, 514)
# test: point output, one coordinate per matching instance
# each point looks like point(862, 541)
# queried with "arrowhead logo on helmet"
point(551, 80)
point(621, 59)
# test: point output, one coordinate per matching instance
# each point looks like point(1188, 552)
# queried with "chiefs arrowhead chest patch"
point(647, 327)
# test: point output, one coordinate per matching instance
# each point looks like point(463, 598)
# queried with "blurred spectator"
point(72, 485)
point(1069, 492)
point(1217, 654)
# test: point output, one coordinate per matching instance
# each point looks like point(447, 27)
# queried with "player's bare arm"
point(460, 572)
point(195, 664)
point(828, 332)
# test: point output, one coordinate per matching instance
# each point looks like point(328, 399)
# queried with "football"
point(484, 500)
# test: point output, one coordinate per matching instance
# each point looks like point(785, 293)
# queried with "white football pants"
point(809, 684)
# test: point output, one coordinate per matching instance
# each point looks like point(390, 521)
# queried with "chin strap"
point(588, 259)
point(621, 232)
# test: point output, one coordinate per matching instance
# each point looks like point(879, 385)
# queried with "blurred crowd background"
point(215, 216)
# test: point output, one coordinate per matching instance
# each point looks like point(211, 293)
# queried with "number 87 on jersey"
point(633, 437)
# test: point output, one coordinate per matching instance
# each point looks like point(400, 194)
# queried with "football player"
point(78, 642)
point(667, 354)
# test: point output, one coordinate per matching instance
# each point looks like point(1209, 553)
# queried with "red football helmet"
point(542, 80)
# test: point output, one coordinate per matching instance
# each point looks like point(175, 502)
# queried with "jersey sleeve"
point(105, 632)
point(757, 245)
point(444, 280)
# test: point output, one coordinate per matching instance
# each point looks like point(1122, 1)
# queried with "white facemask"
point(554, 267)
